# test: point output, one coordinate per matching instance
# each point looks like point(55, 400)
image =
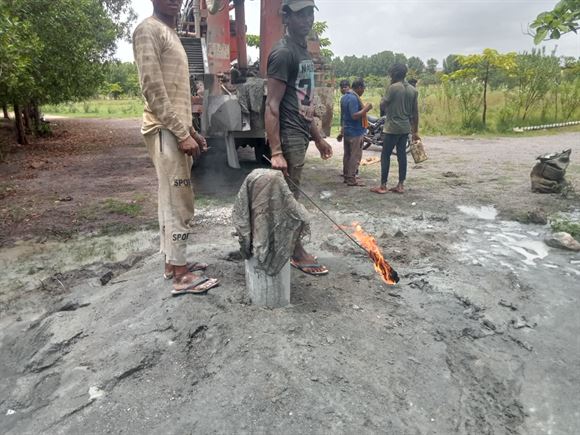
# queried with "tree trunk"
point(5, 110)
point(556, 99)
point(20, 133)
point(26, 117)
point(35, 117)
point(485, 95)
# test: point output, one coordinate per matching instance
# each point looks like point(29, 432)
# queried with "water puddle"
point(485, 212)
point(511, 245)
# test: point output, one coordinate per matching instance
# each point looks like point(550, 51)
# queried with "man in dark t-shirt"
point(290, 108)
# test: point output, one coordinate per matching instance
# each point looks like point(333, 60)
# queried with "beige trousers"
point(175, 195)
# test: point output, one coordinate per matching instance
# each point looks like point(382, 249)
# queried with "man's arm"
point(323, 147)
point(358, 115)
point(276, 91)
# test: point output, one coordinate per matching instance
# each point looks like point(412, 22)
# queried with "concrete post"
point(266, 290)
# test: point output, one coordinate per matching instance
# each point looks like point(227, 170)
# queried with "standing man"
point(353, 115)
point(171, 141)
point(401, 109)
point(289, 109)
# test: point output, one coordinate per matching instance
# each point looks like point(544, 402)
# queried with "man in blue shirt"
point(353, 119)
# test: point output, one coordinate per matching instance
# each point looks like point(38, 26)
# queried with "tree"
point(73, 40)
point(536, 73)
point(451, 64)
point(19, 46)
point(415, 65)
point(432, 66)
point(319, 28)
point(482, 66)
point(253, 40)
point(564, 18)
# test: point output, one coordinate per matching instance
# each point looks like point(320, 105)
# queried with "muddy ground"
point(479, 337)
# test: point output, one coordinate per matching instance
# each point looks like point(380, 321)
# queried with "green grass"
point(441, 116)
point(566, 225)
point(131, 209)
point(98, 108)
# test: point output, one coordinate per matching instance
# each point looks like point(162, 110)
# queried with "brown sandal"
point(192, 267)
point(192, 284)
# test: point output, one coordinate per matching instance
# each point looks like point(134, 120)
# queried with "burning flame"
point(383, 268)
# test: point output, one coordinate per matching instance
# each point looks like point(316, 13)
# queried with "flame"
point(383, 268)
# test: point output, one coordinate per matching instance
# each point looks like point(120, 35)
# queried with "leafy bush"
point(566, 225)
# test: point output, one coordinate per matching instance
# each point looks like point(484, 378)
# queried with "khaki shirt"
point(164, 76)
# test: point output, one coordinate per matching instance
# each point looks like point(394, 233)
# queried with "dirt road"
point(479, 337)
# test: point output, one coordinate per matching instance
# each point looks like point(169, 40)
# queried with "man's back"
point(400, 107)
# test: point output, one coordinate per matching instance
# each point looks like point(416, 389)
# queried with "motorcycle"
point(374, 135)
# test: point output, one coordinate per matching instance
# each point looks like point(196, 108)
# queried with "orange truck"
point(228, 94)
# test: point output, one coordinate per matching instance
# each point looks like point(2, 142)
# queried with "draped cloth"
point(268, 219)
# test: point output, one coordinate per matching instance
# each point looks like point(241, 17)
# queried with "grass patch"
point(131, 209)
point(98, 108)
point(563, 224)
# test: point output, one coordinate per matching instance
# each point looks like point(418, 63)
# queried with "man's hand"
point(279, 163)
point(200, 140)
point(368, 107)
point(190, 147)
point(415, 137)
point(324, 148)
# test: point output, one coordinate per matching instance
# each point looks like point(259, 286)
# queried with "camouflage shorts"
point(294, 150)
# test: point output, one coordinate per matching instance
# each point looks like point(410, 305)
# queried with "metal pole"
point(322, 211)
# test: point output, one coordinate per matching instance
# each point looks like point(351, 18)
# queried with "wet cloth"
point(251, 95)
point(175, 196)
point(268, 220)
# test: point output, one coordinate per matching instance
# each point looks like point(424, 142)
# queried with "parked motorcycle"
point(374, 135)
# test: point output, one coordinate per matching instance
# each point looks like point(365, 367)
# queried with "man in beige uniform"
point(171, 141)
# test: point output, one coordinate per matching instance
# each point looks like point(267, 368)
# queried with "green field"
point(98, 108)
point(440, 113)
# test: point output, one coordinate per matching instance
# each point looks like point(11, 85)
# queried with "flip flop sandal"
point(197, 287)
point(192, 267)
point(304, 268)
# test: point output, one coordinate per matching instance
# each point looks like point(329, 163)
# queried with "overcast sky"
point(424, 28)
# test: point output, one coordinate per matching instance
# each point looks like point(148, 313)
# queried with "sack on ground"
point(548, 174)
point(418, 151)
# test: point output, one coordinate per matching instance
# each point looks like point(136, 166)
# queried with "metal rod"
point(322, 211)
